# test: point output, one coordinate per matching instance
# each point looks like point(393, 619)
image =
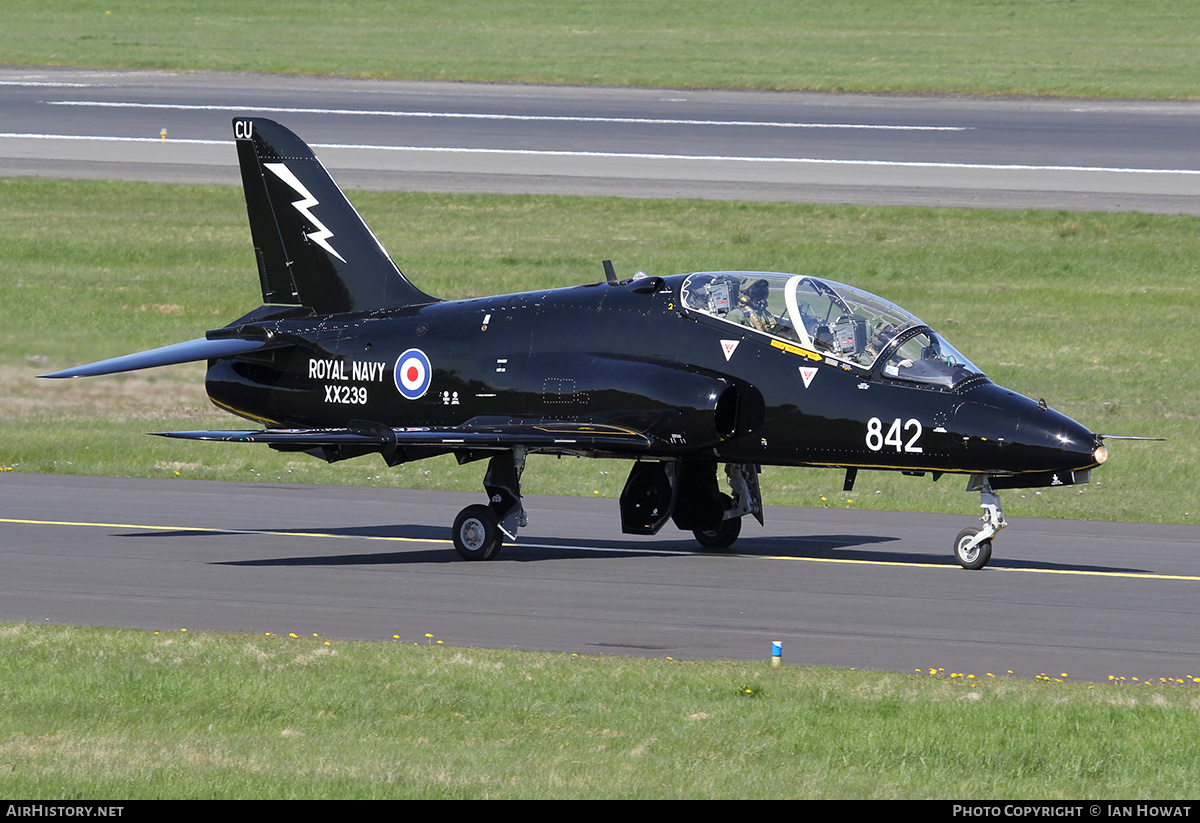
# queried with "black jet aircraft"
point(677, 374)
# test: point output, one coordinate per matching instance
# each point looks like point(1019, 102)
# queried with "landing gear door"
point(648, 499)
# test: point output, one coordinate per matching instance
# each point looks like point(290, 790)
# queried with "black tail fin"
point(312, 247)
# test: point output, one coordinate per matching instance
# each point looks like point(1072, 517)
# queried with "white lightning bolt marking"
point(304, 206)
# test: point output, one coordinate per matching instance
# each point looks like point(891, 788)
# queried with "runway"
point(826, 148)
point(840, 588)
point(871, 590)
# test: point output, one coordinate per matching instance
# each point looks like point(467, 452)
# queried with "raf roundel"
point(412, 374)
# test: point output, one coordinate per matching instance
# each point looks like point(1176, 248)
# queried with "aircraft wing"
point(549, 436)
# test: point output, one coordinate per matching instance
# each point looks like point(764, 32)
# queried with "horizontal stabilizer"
point(187, 352)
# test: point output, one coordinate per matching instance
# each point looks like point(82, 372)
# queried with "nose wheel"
point(971, 553)
point(973, 547)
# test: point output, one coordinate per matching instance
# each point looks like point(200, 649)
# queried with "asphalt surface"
point(873, 150)
point(842, 588)
point(873, 590)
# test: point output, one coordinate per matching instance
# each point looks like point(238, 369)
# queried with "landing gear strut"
point(479, 531)
point(973, 547)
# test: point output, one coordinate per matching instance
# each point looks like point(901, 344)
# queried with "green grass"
point(1102, 48)
point(1094, 312)
point(101, 713)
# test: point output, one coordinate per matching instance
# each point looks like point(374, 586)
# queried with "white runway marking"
point(514, 117)
point(815, 161)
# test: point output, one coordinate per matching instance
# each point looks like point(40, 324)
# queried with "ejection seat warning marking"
point(413, 374)
point(728, 346)
point(790, 349)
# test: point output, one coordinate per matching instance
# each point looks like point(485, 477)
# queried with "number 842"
point(877, 440)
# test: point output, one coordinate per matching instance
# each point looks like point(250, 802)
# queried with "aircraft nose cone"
point(1059, 440)
point(1006, 432)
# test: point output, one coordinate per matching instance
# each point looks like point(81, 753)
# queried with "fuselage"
point(634, 356)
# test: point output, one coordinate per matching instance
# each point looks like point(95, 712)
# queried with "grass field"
point(1095, 312)
point(1101, 48)
point(98, 713)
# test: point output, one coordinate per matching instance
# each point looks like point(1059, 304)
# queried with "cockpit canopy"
point(832, 319)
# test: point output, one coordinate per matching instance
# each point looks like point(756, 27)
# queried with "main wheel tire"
point(975, 558)
point(721, 537)
point(477, 535)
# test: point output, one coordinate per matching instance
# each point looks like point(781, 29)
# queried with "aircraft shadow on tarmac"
point(847, 547)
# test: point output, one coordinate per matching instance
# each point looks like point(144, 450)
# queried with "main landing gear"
point(656, 492)
point(973, 547)
point(687, 493)
point(479, 531)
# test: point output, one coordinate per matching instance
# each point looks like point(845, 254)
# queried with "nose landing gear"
point(973, 547)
